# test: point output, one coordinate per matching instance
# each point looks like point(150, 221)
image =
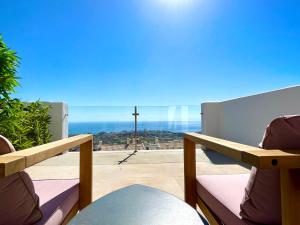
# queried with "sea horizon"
point(95, 127)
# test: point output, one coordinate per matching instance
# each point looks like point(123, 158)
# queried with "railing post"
point(290, 196)
point(86, 174)
point(190, 172)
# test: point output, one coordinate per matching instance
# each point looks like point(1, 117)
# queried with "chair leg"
point(190, 192)
point(86, 174)
point(290, 196)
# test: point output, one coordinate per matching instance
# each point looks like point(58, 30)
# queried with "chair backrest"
point(5, 146)
point(262, 199)
point(19, 202)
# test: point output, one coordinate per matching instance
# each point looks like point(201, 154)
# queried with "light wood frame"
point(288, 162)
point(17, 161)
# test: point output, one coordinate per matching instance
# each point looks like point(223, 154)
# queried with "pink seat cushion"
point(223, 194)
point(19, 202)
point(57, 197)
point(261, 202)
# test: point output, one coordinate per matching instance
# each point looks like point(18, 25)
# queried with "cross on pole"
point(135, 114)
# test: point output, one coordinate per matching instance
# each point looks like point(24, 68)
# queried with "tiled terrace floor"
point(162, 169)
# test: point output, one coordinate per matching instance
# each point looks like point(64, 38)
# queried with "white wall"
point(210, 112)
point(59, 120)
point(245, 119)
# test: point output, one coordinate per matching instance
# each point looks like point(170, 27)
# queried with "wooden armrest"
point(261, 158)
point(231, 149)
point(19, 160)
point(11, 164)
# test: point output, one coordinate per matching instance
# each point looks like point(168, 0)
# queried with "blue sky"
point(152, 52)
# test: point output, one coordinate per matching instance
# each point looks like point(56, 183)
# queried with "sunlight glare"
point(175, 3)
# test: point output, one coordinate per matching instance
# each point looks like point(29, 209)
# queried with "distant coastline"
point(110, 136)
point(120, 126)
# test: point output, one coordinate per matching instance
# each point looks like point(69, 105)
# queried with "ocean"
point(116, 126)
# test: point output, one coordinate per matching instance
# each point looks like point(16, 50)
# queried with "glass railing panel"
point(113, 127)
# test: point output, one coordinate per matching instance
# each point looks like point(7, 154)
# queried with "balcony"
point(157, 168)
point(121, 158)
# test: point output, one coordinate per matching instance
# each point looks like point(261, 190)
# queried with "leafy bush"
point(9, 61)
point(24, 124)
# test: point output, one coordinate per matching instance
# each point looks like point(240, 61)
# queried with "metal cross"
point(135, 114)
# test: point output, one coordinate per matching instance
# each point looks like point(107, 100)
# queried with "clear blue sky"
point(152, 52)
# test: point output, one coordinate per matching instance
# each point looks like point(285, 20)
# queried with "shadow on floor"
point(217, 158)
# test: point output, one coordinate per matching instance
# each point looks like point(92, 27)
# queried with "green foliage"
point(24, 124)
point(9, 61)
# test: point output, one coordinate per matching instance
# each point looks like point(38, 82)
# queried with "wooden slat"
point(11, 164)
point(42, 152)
point(190, 173)
point(209, 215)
point(271, 159)
point(71, 214)
point(86, 174)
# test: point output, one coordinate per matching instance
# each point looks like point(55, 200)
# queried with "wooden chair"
point(287, 162)
point(17, 161)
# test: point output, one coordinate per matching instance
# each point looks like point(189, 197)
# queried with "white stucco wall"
point(210, 113)
point(59, 120)
point(244, 119)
